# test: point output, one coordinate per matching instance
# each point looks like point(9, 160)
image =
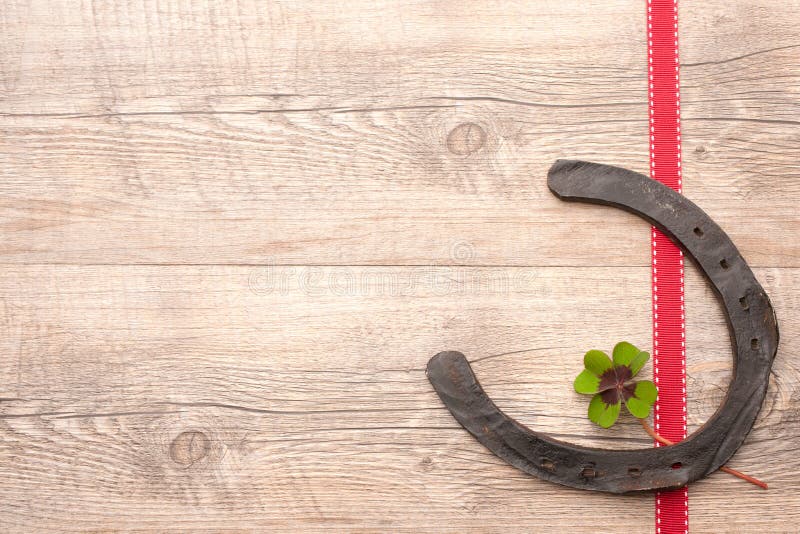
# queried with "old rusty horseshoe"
point(754, 333)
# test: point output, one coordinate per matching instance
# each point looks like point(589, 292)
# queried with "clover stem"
point(664, 441)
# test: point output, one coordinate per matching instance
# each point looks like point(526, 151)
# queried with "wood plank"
point(309, 402)
point(148, 57)
point(208, 190)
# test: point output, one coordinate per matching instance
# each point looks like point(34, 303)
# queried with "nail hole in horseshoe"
point(754, 344)
point(743, 303)
point(724, 263)
point(548, 465)
point(698, 232)
point(589, 472)
point(677, 465)
point(635, 472)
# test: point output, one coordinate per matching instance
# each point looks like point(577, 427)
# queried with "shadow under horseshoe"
point(753, 328)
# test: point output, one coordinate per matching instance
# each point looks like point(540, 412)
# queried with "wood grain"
point(232, 234)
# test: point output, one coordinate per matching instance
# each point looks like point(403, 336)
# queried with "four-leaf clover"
point(611, 383)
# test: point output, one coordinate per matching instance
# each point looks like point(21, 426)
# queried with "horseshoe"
point(754, 335)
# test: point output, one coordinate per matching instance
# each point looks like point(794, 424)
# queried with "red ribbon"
point(669, 352)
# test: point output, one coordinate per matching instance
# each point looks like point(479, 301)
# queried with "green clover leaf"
point(610, 382)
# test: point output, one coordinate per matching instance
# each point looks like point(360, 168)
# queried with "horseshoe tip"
point(443, 360)
point(560, 175)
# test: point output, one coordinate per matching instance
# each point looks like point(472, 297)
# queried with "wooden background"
point(233, 232)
